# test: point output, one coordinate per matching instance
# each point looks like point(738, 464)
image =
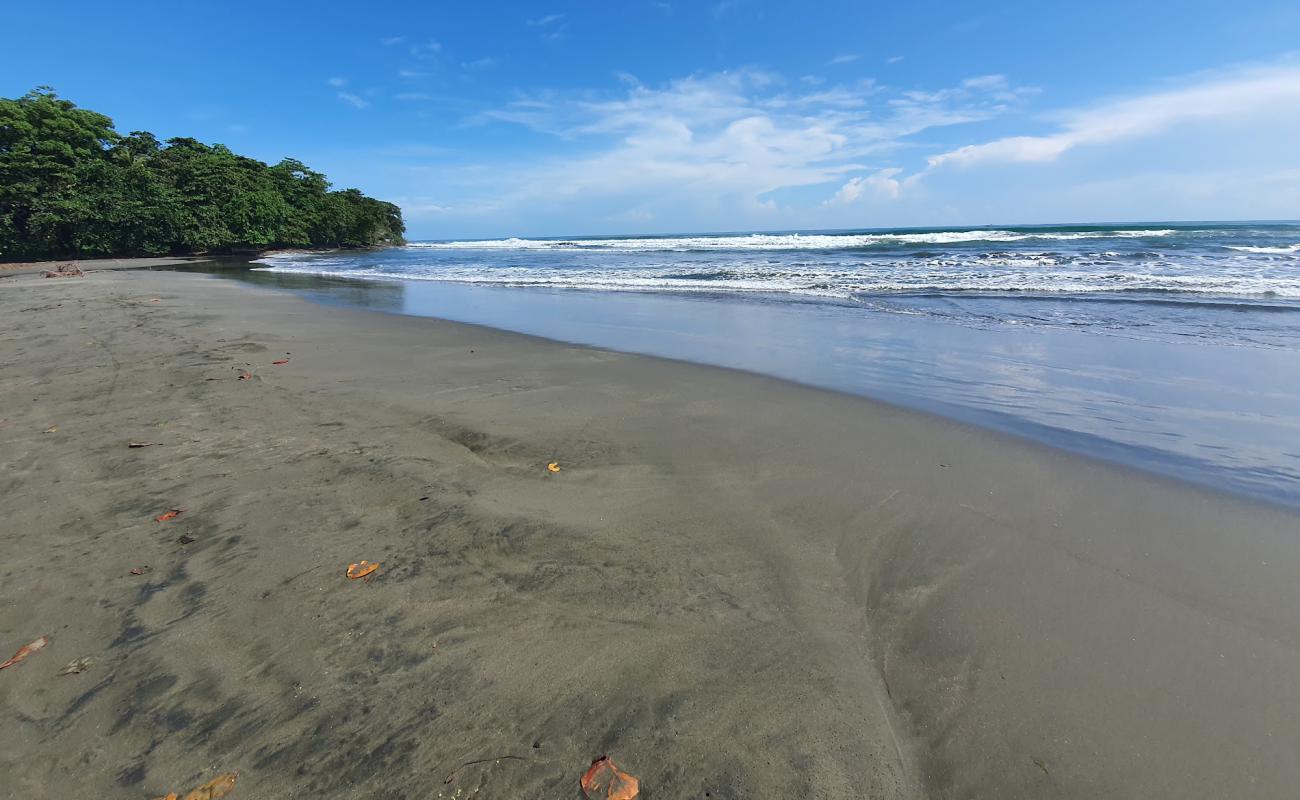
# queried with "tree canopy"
point(71, 185)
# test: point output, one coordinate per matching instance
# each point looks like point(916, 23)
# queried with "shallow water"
point(1173, 348)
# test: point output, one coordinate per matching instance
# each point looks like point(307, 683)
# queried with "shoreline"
point(1221, 421)
point(735, 584)
point(14, 268)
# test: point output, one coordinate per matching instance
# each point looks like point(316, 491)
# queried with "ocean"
point(1170, 347)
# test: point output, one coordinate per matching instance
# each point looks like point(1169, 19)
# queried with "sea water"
point(1173, 347)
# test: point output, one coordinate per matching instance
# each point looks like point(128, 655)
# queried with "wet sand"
point(735, 586)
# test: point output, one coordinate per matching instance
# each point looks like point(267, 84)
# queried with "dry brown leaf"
point(245, 375)
point(604, 781)
point(280, 362)
point(362, 569)
point(139, 444)
point(25, 651)
point(554, 466)
point(51, 429)
point(219, 786)
point(166, 515)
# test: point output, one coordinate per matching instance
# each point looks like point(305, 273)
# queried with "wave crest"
point(786, 241)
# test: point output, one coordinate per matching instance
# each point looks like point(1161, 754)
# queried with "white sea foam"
point(939, 276)
point(851, 265)
point(1282, 251)
point(791, 241)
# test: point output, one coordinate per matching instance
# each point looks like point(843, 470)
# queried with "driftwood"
point(68, 270)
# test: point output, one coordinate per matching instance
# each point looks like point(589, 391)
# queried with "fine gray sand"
point(736, 587)
point(96, 264)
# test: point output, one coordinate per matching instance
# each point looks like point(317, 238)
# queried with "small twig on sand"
point(293, 578)
point(451, 776)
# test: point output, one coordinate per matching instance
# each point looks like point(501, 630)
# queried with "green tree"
point(70, 185)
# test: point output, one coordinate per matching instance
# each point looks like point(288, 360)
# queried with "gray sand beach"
point(736, 587)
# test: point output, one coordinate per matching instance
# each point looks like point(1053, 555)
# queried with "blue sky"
point(562, 118)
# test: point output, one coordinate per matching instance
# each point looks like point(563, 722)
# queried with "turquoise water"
point(1175, 348)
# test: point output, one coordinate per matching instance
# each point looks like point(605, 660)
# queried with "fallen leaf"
point(139, 444)
point(245, 376)
point(166, 515)
point(25, 651)
point(604, 781)
point(219, 786)
point(185, 538)
point(554, 466)
point(51, 429)
point(77, 666)
point(139, 570)
point(280, 362)
point(155, 299)
point(362, 569)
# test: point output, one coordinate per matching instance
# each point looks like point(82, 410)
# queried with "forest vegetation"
point(72, 186)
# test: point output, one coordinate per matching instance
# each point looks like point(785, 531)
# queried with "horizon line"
point(1115, 224)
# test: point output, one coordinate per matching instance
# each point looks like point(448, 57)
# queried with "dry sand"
point(736, 587)
point(96, 264)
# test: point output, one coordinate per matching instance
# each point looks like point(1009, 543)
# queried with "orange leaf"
point(25, 651)
point(604, 781)
point(554, 466)
point(362, 569)
point(245, 376)
point(166, 515)
point(219, 786)
point(280, 362)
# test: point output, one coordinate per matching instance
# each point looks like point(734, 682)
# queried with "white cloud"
point(552, 25)
point(992, 83)
point(353, 100)
point(1226, 96)
point(479, 64)
point(337, 83)
point(411, 73)
point(389, 41)
point(427, 49)
point(881, 183)
point(728, 138)
point(724, 8)
point(846, 58)
point(412, 96)
point(893, 59)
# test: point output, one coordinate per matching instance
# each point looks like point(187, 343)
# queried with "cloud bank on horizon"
point(567, 119)
point(759, 148)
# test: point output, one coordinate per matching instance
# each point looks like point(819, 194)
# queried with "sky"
point(486, 119)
